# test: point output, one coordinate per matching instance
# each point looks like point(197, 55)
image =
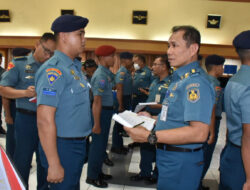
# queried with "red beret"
point(105, 50)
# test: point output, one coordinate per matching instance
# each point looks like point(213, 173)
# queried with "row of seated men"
point(57, 126)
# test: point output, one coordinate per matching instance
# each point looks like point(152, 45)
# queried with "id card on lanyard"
point(164, 109)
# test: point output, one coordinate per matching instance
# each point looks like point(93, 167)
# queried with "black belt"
point(73, 138)
point(175, 148)
point(218, 117)
point(235, 145)
point(107, 107)
point(29, 112)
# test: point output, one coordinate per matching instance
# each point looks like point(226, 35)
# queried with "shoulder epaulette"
point(20, 58)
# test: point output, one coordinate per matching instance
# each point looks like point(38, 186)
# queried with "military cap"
point(69, 23)
point(90, 63)
point(105, 50)
point(126, 55)
point(20, 52)
point(214, 60)
point(242, 40)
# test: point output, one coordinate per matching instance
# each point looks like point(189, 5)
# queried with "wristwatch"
point(152, 139)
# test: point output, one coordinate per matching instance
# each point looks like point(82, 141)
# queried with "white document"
point(142, 105)
point(131, 119)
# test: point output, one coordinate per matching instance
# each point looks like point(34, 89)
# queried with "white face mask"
point(136, 66)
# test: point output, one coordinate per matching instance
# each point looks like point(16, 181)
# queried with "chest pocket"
point(80, 94)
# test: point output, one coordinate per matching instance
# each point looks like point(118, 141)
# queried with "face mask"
point(136, 66)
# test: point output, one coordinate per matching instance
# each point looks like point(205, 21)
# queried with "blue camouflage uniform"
point(237, 103)
point(61, 84)
point(102, 84)
point(189, 97)
point(141, 79)
point(20, 76)
point(123, 76)
point(157, 92)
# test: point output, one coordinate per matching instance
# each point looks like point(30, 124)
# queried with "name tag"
point(157, 98)
point(164, 112)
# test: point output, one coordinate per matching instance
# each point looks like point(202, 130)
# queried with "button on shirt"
point(102, 83)
point(237, 103)
point(20, 77)
point(61, 84)
point(190, 97)
point(218, 95)
point(123, 76)
point(142, 79)
point(157, 92)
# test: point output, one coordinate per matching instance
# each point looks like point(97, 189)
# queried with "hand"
point(138, 134)
point(120, 109)
point(211, 139)
point(9, 120)
point(55, 174)
point(144, 113)
point(96, 129)
point(30, 91)
point(143, 91)
point(246, 185)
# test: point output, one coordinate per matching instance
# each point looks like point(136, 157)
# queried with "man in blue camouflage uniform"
point(102, 84)
point(123, 80)
point(235, 160)
point(183, 124)
point(18, 83)
point(214, 66)
point(157, 91)
point(63, 112)
point(142, 79)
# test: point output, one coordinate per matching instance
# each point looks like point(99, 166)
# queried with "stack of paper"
point(142, 105)
point(131, 119)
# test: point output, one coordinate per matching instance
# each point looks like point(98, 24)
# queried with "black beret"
point(69, 23)
point(20, 52)
point(90, 63)
point(242, 40)
point(126, 55)
point(105, 50)
point(214, 60)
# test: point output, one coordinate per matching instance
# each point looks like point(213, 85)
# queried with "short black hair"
point(90, 63)
point(47, 36)
point(244, 54)
point(141, 57)
point(191, 34)
point(1, 55)
point(164, 60)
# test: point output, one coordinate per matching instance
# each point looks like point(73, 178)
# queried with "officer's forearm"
point(96, 109)
point(6, 106)
point(197, 132)
point(12, 93)
point(119, 94)
point(47, 133)
point(245, 150)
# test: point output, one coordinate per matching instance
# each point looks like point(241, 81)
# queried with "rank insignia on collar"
point(29, 77)
point(193, 95)
point(27, 67)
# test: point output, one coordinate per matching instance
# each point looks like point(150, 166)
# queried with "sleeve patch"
point(49, 92)
point(193, 95)
point(53, 74)
point(102, 83)
point(10, 66)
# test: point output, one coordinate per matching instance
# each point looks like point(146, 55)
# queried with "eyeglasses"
point(155, 64)
point(46, 50)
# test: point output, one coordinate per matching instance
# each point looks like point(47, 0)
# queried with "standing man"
point(214, 66)
point(102, 84)
point(157, 91)
point(123, 80)
point(2, 131)
point(183, 124)
point(18, 83)
point(63, 112)
point(235, 160)
point(142, 79)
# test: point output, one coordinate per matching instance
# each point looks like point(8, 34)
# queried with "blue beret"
point(214, 60)
point(20, 52)
point(126, 55)
point(105, 50)
point(242, 40)
point(69, 23)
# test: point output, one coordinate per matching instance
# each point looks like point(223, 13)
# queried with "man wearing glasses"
point(18, 83)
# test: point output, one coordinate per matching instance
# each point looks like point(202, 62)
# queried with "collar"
point(65, 59)
point(183, 72)
point(105, 69)
point(31, 60)
point(245, 67)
